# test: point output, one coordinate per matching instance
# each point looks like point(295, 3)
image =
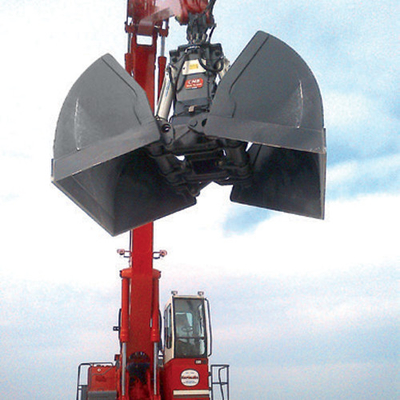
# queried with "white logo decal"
point(190, 377)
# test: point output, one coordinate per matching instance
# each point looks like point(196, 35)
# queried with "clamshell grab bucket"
point(270, 99)
point(99, 160)
point(262, 133)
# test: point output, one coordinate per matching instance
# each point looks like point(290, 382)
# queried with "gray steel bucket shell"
point(270, 99)
point(99, 161)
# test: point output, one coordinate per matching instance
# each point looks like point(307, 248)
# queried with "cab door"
point(186, 352)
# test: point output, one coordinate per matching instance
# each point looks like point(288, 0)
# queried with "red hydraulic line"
point(155, 334)
point(162, 62)
point(124, 328)
point(155, 328)
point(124, 332)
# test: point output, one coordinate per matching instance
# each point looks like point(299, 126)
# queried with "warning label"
point(191, 67)
point(196, 83)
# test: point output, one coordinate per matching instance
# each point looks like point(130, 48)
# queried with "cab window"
point(190, 336)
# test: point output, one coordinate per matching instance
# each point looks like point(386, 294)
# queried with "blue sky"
point(302, 309)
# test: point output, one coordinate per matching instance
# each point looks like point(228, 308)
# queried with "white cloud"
point(369, 381)
point(353, 235)
point(360, 124)
point(362, 176)
point(347, 109)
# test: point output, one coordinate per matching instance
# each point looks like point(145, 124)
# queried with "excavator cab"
point(187, 346)
point(187, 330)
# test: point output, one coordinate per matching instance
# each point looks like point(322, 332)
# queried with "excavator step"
point(109, 395)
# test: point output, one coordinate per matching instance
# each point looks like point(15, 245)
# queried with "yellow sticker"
point(192, 67)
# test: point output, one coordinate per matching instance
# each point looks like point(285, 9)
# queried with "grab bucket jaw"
point(99, 157)
point(264, 127)
point(270, 99)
